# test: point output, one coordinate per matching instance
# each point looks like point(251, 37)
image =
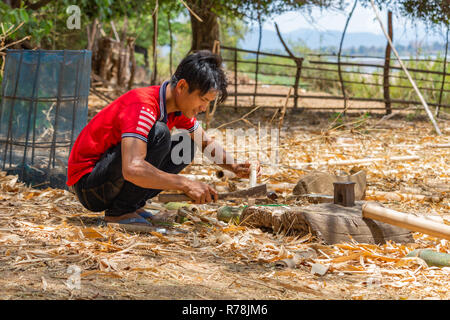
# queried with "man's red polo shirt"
point(131, 115)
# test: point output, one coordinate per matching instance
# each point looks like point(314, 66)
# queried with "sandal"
point(140, 220)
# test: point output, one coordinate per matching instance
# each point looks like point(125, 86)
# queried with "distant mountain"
point(315, 39)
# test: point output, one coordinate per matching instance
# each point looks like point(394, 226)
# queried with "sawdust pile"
point(47, 239)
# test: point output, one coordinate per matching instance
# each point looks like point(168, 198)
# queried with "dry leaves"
point(47, 231)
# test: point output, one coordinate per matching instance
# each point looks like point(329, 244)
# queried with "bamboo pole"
point(424, 103)
point(404, 220)
point(283, 110)
point(191, 11)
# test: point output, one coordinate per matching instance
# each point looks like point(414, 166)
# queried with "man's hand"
point(201, 192)
point(242, 170)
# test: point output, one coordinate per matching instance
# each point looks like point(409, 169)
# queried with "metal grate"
point(43, 108)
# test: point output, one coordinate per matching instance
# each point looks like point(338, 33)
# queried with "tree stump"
point(114, 61)
point(328, 222)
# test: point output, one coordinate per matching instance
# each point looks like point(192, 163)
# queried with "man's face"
point(192, 103)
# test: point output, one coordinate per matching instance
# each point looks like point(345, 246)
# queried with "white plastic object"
point(253, 167)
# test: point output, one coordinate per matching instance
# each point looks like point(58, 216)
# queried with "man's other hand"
point(242, 170)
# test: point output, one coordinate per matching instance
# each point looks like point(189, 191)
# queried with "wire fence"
point(309, 78)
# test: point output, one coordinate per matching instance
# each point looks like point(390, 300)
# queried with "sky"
point(363, 20)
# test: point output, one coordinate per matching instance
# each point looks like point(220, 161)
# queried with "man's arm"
point(138, 171)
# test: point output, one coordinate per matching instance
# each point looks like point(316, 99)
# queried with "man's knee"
point(159, 135)
point(159, 142)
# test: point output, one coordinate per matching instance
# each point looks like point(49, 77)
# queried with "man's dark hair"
point(203, 71)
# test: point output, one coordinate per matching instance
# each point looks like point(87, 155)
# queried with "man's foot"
point(144, 214)
point(160, 219)
point(128, 218)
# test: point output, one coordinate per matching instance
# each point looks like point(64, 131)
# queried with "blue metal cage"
point(43, 108)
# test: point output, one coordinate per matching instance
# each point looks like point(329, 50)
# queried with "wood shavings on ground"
point(53, 248)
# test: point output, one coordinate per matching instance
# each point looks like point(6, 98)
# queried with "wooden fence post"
point(298, 62)
point(341, 79)
point(169, 25)
point(235, 80)
point(257, 60)
point(413, 83)
point(443, 76)
point(155, 43)
point(387, 62)
point(210, 113)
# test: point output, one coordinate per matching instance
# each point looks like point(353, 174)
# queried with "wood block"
point(328, 222)
point(333, 224)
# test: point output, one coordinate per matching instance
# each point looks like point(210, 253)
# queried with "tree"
point(205, 33)
point(15, 4)
point(431, 12)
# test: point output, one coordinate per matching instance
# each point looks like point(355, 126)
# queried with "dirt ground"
point(53, 248)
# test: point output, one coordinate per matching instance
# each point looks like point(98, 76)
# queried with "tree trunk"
point(203, 33)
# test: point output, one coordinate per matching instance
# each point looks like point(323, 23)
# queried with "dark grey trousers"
point(105, 188)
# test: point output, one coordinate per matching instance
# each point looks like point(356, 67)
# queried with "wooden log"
point(405, 220)
point(328, 222)
point(274, 219)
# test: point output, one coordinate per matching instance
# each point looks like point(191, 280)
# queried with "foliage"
point(34, 24)
point(250, 9)
point(431, 12)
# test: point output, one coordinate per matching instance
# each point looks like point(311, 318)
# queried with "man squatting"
point(123, 157)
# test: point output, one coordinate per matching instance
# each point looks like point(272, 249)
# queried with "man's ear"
point(182, 85)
